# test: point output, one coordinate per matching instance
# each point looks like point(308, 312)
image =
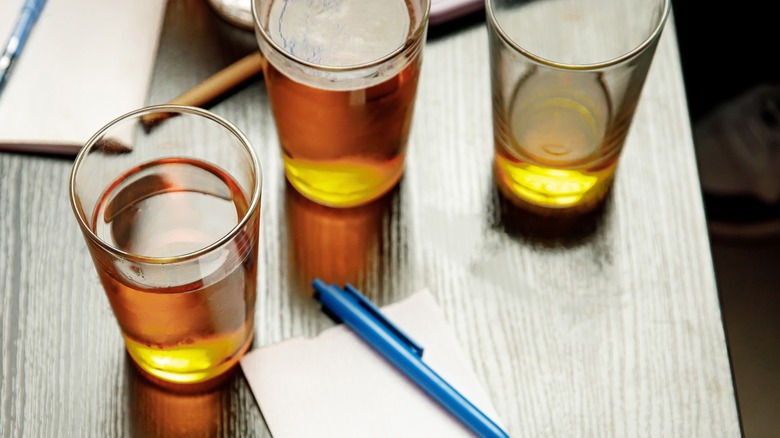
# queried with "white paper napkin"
point(337, 385)
point(85, 63)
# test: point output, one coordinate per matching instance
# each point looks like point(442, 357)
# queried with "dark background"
point(725, 50)
point(728, 49)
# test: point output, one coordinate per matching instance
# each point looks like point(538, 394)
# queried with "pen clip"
point(354, 295)
point(372, 309)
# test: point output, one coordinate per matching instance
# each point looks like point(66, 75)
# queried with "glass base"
point(549, 191)
point(343, 184)
point(215, 376)
point(235, 12)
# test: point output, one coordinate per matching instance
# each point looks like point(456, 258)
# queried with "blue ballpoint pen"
point(27, 18)
point(364, 318)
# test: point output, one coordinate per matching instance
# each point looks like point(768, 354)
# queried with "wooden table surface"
point(609, 326)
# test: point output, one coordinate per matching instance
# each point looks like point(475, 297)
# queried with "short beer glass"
point(566, 79)
point(170, 215)
point(341, 77)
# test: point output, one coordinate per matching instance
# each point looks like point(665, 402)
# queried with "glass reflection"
point(339, 245)
point(157, 412)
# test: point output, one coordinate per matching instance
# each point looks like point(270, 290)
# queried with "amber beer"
point(170, 214)
point(183, 323)
point(342, 95)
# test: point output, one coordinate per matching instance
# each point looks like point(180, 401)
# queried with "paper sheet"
point(335, 385)
point(85, 63)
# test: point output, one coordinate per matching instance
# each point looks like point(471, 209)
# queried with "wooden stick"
point(215, 86)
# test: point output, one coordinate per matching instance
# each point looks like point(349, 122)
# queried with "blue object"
point(359, 314)
point(27, 18)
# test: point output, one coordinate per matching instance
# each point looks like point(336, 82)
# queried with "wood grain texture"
point(609, 328)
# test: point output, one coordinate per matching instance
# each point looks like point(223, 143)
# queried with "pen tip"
point(318, 283)
point(150, 121)
point(112, 146)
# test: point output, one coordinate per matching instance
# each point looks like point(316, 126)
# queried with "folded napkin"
point(337, 385)
point(85, 63)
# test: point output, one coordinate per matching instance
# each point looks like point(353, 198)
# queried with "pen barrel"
point(27, 18)
point(13, 46)
point(440, 390)
point(392, 349)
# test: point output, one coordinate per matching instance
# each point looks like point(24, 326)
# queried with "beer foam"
point(339, 33)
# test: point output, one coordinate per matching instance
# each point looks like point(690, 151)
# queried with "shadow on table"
point(545, 230)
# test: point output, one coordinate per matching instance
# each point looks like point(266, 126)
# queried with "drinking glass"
point(342, 77)
point(170, 214)
point(566, 79)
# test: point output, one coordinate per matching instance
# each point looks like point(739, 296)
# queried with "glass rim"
point(254, 204)
point(654, 35)
point(412, 39)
